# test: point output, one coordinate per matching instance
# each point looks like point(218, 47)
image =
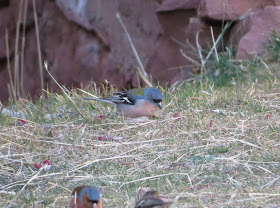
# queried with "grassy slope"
point(235, 162)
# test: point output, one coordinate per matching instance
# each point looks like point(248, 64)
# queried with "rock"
point(167, 63)
point(86, 14)
point(197, 25)
point(140, 20)
point(171, 5)
point(46, 127)
point(230, 10)
point(8, 22)
point(84, 42)
point(4, 3)
point(239, 30)
point(9, 25)
point(12, 113)
point(93, 45)
point(276, 2)
point(257, 28)
point(74, 55)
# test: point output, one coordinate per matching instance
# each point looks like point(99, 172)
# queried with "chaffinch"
point(136, 102)
point(85, 197)
point(152, 199)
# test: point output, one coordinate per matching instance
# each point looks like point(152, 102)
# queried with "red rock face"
point(256, 37)
point(167, 62)
point(230, 10)
point(172, 5)
point(83, 41)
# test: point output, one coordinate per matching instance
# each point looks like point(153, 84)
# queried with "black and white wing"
point(121, 97)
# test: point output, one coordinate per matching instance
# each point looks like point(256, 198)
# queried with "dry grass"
point(233, 163)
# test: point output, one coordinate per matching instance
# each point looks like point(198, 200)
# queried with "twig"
point(142, 71)
point(22, 49)
point(12, 87)
point(199, 49)
point(46, 67)
point(38, 45)
point(189, 58)
point(213, 39)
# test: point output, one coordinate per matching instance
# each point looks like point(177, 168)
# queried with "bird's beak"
point(159, 105)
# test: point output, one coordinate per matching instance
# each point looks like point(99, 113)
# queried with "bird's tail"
point(100, 99)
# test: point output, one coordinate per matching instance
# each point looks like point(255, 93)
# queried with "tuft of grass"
point(227, 71)
point(223, 71)
point(274, 46)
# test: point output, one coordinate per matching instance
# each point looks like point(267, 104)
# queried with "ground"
point(209, 147)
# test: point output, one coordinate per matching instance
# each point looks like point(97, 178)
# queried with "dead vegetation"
point(208, 148)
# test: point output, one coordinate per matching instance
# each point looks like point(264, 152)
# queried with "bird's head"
point(154, 96)
point(85, 196)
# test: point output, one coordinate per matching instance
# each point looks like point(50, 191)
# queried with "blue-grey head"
point(154, 96)
point(91, 193)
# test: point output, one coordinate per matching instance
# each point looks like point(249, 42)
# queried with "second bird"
point(85, 197)
point(135, 102)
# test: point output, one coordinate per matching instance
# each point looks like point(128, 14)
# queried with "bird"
point(134, 103)
point(152, 199)
point(85, 197)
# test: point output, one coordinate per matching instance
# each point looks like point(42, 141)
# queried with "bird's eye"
point(93, 201)
point(157, 100)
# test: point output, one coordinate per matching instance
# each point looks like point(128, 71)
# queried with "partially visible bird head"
point(152, 199)
point(154, 96)
point(85, 197)
point(148, 198)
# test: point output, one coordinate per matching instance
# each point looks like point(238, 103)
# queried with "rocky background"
point(83, 41)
